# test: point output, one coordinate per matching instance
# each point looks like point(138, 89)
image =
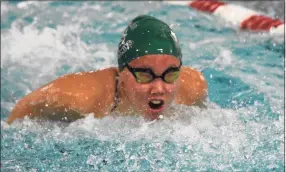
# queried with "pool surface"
point(242, 128)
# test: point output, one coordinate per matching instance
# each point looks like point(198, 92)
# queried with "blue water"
point(241, 129)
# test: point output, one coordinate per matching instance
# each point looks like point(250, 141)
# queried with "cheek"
point(139, 91)
point(171, 92)
point(171, 88)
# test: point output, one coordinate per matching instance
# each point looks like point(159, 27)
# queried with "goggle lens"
point(143, 77)
point(171, 77)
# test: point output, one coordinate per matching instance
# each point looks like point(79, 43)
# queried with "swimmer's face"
point(154, 97)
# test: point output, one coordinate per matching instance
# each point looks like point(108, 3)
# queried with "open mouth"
point(156, 104)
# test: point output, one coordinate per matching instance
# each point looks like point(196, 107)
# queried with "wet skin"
point(74, 95)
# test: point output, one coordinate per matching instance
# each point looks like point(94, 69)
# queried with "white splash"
point(42, 51)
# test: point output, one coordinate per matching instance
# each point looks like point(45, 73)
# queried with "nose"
point(157, 87)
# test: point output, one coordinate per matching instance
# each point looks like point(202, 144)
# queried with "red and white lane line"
point(240, 17)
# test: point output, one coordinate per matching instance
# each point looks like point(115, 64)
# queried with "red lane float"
point(241, 17)
point(258, 22)
point(207, 6)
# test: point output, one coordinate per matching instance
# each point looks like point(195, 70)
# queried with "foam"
point(31, 48)
point(25, 5)
point(213, 127)
point(230, 134)
point(4, 8)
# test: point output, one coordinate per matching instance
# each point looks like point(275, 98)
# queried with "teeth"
point(156, 101)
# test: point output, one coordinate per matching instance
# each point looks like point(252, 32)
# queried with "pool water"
point(242, 128)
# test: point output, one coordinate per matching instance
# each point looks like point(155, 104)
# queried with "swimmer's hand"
point(68, 97)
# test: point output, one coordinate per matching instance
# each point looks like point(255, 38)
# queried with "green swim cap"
point(147, 35)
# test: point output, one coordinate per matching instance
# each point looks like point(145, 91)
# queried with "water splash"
point(216, 135)
point(241, 129)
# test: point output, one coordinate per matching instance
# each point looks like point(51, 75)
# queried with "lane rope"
point(241, 17)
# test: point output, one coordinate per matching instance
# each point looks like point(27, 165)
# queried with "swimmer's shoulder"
point(192, 86)
point(93, 91)
point(72, 96)
point(187, 72)
point(90, 79)
point(106, 74)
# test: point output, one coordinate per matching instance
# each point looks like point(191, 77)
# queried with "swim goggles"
point(146, 75)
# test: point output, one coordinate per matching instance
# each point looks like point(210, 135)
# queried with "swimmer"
point(149, 77)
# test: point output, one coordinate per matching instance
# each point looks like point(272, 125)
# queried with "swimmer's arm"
point(21, 109)
point(54, 100)
point(72, 94)
point(192, 88)
point(201, 101)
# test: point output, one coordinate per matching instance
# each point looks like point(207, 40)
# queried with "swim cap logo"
point(124, 46)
